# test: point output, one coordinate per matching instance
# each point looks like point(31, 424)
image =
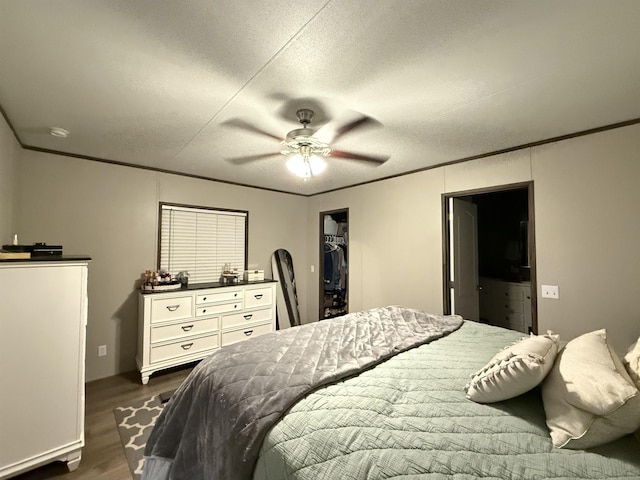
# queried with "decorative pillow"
point(589, 399)
point(632, 362)
point(514, 370)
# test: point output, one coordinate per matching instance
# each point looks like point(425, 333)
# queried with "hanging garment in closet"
point(331, 267)
point(342, 261)
point(330, 226)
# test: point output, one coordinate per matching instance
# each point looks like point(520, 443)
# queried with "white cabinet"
point(184, 326)
point(43, 314)
point(506, 304)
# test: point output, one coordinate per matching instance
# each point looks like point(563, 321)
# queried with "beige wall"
point(395, 241)
point(110, 213)
point(9, 154)
point(587, 232)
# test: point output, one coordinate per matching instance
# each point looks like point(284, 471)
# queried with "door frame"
point(446, 238)
point(321, 259)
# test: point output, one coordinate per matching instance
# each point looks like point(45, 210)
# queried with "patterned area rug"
point(135, 423)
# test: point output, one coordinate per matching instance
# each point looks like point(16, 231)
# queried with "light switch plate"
point(550, 291)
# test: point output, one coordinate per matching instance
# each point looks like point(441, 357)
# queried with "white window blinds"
point(201, 241)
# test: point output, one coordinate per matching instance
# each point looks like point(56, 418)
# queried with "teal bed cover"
point(408, 418)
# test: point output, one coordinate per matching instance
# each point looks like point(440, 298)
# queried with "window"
point(201, 241)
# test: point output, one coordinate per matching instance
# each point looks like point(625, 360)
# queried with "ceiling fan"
point(306, 150)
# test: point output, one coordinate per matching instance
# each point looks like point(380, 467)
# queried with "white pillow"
point(514, 370)
point(588, 397)
point(632, 362)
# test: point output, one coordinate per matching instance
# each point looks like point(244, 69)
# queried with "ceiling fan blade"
point(360, 122)
point(379, 159)
point(252, 158)
point(244, 125)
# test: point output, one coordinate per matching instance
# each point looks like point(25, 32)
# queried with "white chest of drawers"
point(506, 304)
point(184, 326)
point(43, 317)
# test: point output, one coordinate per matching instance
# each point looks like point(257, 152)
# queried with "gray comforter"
point(215, 423)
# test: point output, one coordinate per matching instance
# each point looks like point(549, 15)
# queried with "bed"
point(371, 395)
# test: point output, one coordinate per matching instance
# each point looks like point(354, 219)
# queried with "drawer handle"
point(248, 317)
point(204, 311)
point(235, 294)
point(204, 299)
point(187, 346)
point(186, 328)
point(172, 308)
point(248, 333)
point(235, 306)
point(258, 297)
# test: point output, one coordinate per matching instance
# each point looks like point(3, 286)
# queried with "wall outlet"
point(313, 268)
point(102, 351)
point(550, 291)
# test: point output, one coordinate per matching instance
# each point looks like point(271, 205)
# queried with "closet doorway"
point(489, 252)
point(334, 270)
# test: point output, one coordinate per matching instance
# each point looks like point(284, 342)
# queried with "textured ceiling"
point(157, 83)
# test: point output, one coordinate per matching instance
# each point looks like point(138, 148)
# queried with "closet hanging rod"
point(336, 239)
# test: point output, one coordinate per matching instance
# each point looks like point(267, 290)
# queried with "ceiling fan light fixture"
point(306, 166)
point(300, 142)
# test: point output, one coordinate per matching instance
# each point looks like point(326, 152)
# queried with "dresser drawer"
point(514, 292)
point(185, 329)
point(516, 322)
point(238, 335)
point(186, 347)
point(500, 321)
point(173, 308)
point(258, 297)
point(218, 308)
point(514, 307)
point(224, 295)
point(238, 319)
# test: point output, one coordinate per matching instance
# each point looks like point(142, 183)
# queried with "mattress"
point(409, 418)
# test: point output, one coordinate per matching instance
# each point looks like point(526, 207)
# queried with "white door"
point(464, 259)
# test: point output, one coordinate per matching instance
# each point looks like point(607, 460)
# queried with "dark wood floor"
point(103, 454)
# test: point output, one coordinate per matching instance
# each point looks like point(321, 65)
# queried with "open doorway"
point(334, 270)
point(489, 256)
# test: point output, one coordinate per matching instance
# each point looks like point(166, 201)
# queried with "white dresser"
point(186, 325)
point(43, 315)
point(506, 304)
